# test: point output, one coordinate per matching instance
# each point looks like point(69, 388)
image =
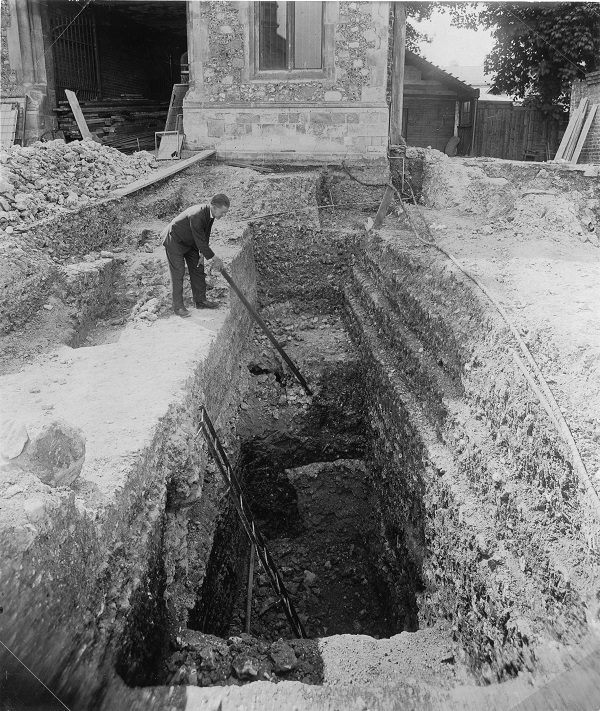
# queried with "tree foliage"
point(540, 48)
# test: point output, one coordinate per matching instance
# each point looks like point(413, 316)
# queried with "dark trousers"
point(178, 255)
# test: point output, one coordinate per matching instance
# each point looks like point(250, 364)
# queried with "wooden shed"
point(437, 106)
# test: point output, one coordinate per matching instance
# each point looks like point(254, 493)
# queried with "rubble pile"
point(205, 660)
point(46, 178)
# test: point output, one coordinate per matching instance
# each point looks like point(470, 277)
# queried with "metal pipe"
point(267, 332)
point(235, 491)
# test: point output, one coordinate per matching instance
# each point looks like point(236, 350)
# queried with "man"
point(186, 240)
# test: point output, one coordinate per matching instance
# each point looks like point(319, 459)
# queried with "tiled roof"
point(442, 76)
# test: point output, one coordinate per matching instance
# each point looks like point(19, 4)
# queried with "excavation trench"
point(355, 489)
point(425, 517)
point(302, 467)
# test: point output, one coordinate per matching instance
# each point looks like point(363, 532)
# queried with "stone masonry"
point(337, 111)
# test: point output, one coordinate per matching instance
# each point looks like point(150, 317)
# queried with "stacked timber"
point(128, 125)
point(579, 125)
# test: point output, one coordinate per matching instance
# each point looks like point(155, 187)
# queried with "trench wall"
point(466, 464)
point(70, 590)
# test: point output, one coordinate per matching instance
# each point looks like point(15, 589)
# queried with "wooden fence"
point(515, 132)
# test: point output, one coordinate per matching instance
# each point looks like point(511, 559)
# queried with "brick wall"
point(340, 110)
point(590, 88)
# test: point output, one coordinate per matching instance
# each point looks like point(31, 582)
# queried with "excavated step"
point(480, 464)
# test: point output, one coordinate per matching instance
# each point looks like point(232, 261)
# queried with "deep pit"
point(427, 520)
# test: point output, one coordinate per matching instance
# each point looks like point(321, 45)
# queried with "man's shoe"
point(207, 304)
point(184, 313)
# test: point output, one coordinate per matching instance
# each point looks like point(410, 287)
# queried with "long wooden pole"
point(249, 593)
point(398, 73)
point(267, 332)
point(397, 80)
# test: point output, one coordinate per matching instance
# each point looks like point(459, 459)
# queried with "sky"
point(452, 45)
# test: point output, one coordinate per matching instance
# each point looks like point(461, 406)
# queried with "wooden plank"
point(176, 106)
point(161, 174)
point(569, 131)
point(525, 135)
point(170, 146)
point(575, 137)
point(584, 133)
point(8, 124)
point(76, 109)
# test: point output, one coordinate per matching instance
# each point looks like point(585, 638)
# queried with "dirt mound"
point(46, 178)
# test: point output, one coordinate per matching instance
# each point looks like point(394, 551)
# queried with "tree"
point(540, 48)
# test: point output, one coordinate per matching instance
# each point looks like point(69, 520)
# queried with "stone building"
point(304, 78)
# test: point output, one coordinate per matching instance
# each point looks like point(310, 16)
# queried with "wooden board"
point(9, 114)
point(584, 133)
point(176, 106)
point(170, 146)
point(76, 109)
point(570, 149)
point(560, 153)
point(162, 173)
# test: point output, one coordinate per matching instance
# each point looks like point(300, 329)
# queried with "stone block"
point(216, 128)
point(283, 118)
point(272, 129)
point(370, 35)
point(328, 117)
point(55, 454)
point(13, 438)
point(335, 131)
point(375, 58)
point(367, 129)
point(372, 94)
point(247, 118)
point(294, 118)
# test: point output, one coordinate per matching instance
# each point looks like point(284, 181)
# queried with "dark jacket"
point(191, 228)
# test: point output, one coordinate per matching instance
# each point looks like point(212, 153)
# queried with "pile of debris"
point(205, 660)
point(46, 178)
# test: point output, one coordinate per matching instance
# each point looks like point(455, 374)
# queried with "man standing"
point(186, 240)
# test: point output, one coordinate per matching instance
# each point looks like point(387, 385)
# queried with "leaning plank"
point(162, 173)
point(575, 135)
point(560, 153)
point(78, 113)
point(176, 106)
point(583, 134)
